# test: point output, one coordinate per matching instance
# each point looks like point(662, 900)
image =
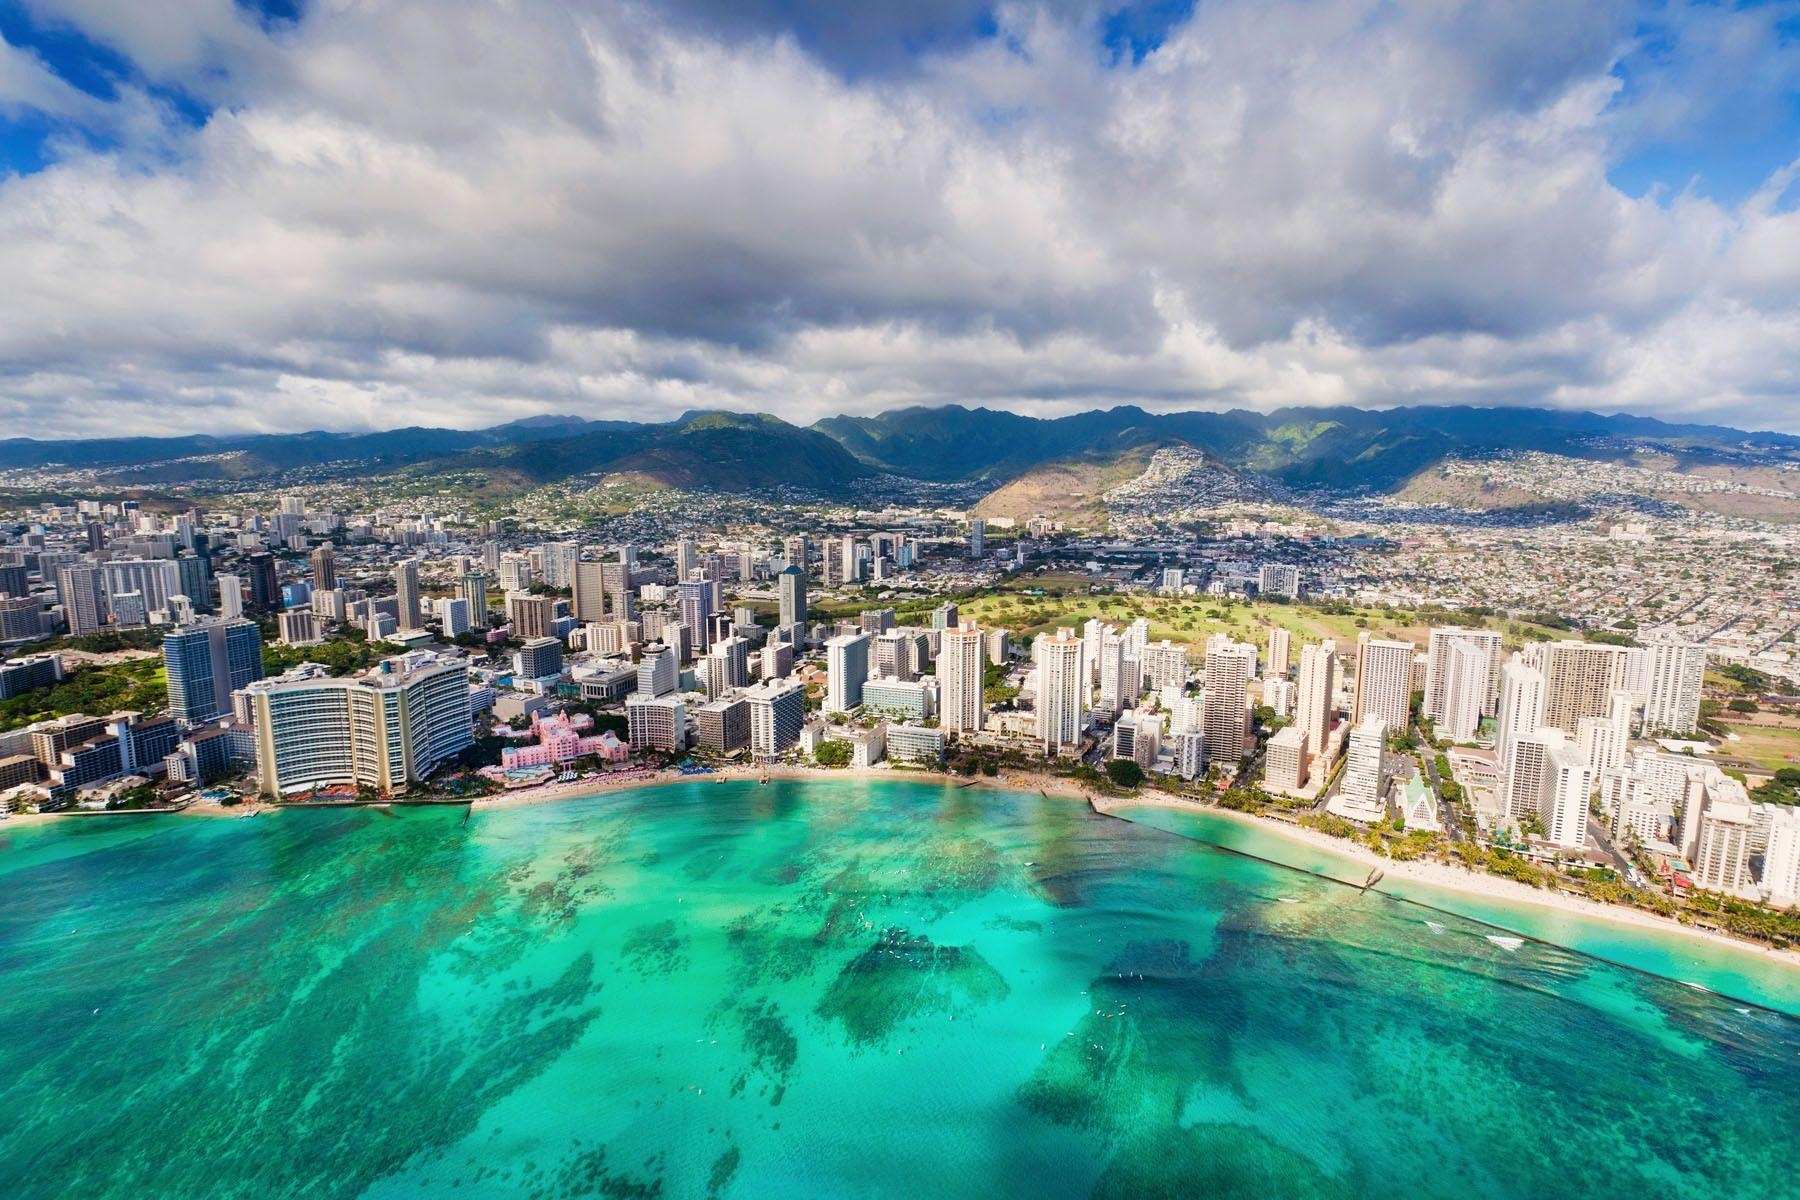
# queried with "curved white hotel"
point(382, 729)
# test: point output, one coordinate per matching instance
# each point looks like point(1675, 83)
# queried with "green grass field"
point(1193, 619)
point(1771, 748)
point(1038, 603)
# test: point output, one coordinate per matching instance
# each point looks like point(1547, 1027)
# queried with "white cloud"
point(469, 212)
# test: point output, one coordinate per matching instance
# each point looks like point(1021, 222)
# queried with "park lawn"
point(1188, 620)
point(1772, 748)
point(1036, 604)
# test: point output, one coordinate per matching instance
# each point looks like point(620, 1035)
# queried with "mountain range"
point(1334, 448)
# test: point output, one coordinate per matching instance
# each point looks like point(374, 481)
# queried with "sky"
point(221, 216)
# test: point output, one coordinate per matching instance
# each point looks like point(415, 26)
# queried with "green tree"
point(1124, 772)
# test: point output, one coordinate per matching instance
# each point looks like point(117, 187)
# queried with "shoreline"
point(1474, 884)
point(1477, 885)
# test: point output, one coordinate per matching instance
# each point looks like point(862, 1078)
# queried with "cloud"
point(468, 212)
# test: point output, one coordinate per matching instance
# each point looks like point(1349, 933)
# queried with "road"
point(1449, 816)
point(1598, 834)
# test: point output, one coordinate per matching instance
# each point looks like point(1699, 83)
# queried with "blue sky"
point(281, 215)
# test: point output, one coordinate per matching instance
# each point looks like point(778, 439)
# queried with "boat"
point(1506, 943)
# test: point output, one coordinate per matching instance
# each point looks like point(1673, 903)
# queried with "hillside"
point(240, 457)
point(1071, 490)
point(1021, 461)
point(721, 451)
point(1310, 447)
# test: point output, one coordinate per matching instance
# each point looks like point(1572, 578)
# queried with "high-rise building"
point(194, 579)
point(383, 729)
point(658, 671)
point(406, 594)
point(1579, 679)
point(265, 583)
point(1285, 760)
point(1224, 707)
point(945, 616)
point(791, 591)
point(558, 560)
point(1137, 736)
point(1188, 748)
point(656, 722)
point(846, 669)
point(1165, 665)
point(1278, 694)
point(1365, 774)
point(1466, 680)
point(1567, 785)
point(687, 559)
point(977, 537)
point(1062, 691)
point(1520, 711)
point(1384, 677)
point(1722, 862)
point(777, 714)
point(777, 660)
point(299, 627)
point(453, 616)
point(695, 599)
point(893, 652)
point(615, 579)
point(589, 583)
point(231, 596)
point(1278, 579)
point(474, 590)
point(1605, 741)
point(727, 666)
point(515, 574)
point(1677, 672)
point(1781, 860)
point(153, 579)
point(962, 664)
point(21, 619)
point(1313, 700)
point(538, 658)
point(207, 662)
point(1480, 673)
point(324, 568)
point(82, 591)
point(1280, 655)
point(21, 675)
point(1531, 772)
point(1111, 660)
point(795, 550)
point(723, 725)
point(530, 616)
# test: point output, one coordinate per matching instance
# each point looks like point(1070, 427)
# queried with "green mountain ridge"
point(1334, 448)
point(721, 451)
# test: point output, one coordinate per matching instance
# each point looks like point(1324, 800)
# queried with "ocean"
point(841, 988)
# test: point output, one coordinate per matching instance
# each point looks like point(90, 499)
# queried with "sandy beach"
point(1509, 892)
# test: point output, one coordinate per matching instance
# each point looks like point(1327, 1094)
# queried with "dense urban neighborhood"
point(1605, 701)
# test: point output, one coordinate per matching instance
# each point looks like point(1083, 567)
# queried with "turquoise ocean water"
point(835, 989)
